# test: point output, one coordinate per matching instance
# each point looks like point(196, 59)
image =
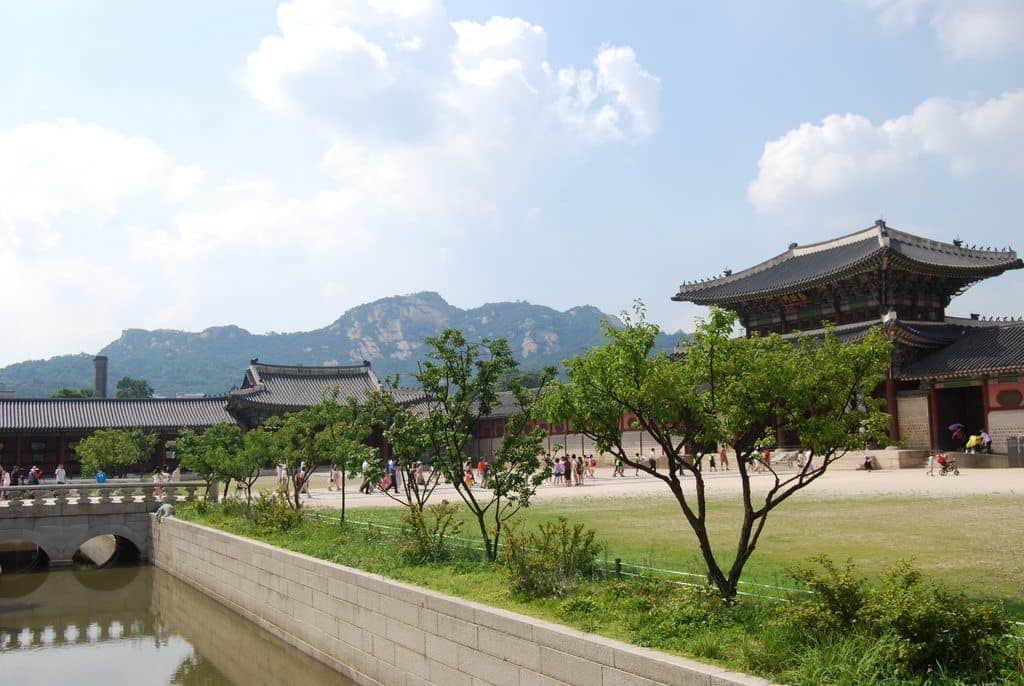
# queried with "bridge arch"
point(139, 539)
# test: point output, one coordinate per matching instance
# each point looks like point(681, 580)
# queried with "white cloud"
point(54, 169)
point(967, 28)
point(431, 128)
point(846, 154)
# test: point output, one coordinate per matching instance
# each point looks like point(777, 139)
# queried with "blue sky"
point(267, 164)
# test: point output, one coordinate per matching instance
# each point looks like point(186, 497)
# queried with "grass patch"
point(753, 636)
point(975, 543)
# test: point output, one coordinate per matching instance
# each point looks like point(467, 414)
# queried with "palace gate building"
point(944, 369)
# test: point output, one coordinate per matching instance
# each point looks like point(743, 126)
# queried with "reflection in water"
point(136, 625)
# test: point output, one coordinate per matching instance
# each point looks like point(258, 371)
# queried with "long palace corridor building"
point(944, 369)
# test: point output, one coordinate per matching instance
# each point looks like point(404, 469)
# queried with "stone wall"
point(1003, 423)
point(913, 421)
point(377, 631)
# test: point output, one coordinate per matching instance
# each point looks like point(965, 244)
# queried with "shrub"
point(839, 595)
point(551, 561)
point(905, 626)
point(935, 627)
point(272, 511)
point(426, 538)
point(231, 507)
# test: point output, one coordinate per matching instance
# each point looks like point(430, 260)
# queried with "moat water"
point(136, 625)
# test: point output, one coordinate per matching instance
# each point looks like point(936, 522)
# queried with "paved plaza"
point(835, 484)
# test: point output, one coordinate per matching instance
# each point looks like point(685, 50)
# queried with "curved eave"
point(967, 275)
point(961, 373)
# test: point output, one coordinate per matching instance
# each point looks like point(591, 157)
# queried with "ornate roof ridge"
point(794, 250)
point(873, 242)
point(262, 369)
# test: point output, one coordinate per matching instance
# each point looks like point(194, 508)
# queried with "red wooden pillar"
point(985, 402)
point(933, 418)
point(893, 408)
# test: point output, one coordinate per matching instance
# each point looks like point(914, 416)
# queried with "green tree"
point(460, 380)
point(728, 391)
point(127, 387)
point(342, 440)
point(406, 434)
point(74, 393)
point(243, 465)
point(145, 444)
point(297, 444)
point(112, 450)
point(211, 455)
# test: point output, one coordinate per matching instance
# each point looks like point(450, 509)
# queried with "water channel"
point(136, 625)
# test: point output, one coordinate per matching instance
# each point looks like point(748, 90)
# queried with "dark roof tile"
point(806, 266)
point(979, 350)
point(42, 414)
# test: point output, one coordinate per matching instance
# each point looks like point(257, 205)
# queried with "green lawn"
point(752, 636)
point(974, 542)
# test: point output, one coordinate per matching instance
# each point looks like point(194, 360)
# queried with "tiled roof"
point(804, 266)
point(922, 334)
point(109, 413)
point(287, 386)
point(991, 349)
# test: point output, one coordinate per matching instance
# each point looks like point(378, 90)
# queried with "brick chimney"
point(99, 384)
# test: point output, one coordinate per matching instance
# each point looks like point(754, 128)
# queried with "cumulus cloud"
point(967, 28)
point(847, 154)
point(431, 128)
point(54, 169)
point(370, 68)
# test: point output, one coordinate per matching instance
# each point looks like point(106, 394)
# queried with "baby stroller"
point(948, 464)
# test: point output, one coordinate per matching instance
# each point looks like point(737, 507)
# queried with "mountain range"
point(389, 332)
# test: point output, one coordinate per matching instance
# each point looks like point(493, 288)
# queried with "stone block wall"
point(1003, 423)
point(377, 631)
point(913, 421)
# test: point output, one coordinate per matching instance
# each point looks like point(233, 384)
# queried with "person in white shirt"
point(60, 474)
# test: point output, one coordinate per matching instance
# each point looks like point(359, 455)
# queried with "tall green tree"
point(111, 450)
point(343, 439)
point(74, 393)
point(406, 435)
point(731, 391)
point(127, 387)
point(461, 380)
point(298, 445)
point(211, 455)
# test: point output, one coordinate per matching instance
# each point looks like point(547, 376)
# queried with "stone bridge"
point(59, 519)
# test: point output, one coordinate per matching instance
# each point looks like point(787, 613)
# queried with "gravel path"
point(835, 484)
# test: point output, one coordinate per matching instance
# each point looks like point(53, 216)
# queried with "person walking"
point(5, 482)
point(558, 472)
point(481, 471)
point(334, 479)
point(101, 476)
point(636, 463)
point(393, 474)
point(723, 458)
point(931, 463)
point(60, 474)
point(711, 462)
point(591, 465)
point(986, 441)
point(653, 461)
point(365, 486)
point(33, 476)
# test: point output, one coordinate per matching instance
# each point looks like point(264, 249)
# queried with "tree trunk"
point(343, 493)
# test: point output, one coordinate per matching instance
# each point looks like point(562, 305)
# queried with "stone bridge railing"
point(91, 498)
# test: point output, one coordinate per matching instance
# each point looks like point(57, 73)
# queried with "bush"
point(839, 595)
point(231, 507)
point(913, 627)
point(935, 627)
point(426, 539)
point(273, 511)
point(551, 561)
